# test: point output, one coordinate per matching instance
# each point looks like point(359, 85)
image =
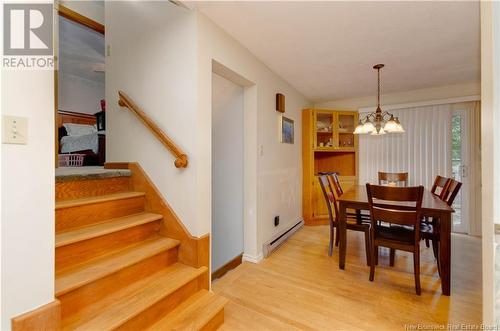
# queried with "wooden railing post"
point(181, 160)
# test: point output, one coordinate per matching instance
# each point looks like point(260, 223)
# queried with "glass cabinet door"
point(346, 123)
point(324, 130)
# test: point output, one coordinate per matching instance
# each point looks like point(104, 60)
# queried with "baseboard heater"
point(281, 237)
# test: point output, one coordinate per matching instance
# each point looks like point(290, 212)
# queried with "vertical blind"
point(424, 151)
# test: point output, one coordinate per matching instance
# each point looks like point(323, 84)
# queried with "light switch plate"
point(15, 130)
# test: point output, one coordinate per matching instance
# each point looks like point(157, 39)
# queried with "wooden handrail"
point(181, 160)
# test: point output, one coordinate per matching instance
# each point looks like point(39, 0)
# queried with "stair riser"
point(78, 216)
point(161, 308)
point(85, 296)
point(215, 322)
point(76, 189)
point(83, 251)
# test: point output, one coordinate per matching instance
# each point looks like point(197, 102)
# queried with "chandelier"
point(379, 122)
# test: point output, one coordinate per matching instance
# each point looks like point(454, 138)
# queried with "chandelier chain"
point(378, 93)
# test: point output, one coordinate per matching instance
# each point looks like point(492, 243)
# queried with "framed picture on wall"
point(287, 130)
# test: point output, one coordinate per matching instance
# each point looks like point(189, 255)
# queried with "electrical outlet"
point(15, 130)
point(276, 220)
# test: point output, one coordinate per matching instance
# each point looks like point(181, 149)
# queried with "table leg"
point(445, 252)
point(343, 234)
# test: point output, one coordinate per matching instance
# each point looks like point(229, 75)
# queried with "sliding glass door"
point(460, 168)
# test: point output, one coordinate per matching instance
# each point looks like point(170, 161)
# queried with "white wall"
point(81, 51)
point(159, 74)
point(79, 94)
point(434, 93)
point(168, 73)
point(227, 171)
point(279, 168)
point(27, 203)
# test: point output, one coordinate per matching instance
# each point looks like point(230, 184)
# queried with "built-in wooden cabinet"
point(328, 145)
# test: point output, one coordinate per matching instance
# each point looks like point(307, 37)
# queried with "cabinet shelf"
point(343, 163)
point(327, 149)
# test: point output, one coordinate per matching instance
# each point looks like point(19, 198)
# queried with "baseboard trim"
point(253, 258)
point(280, 237)
point(46, 317)
point(227, 267)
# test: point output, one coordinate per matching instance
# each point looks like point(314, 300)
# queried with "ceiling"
point(81, 51)
point(326, 50)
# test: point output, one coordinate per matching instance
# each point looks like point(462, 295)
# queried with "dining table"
point(357, 198)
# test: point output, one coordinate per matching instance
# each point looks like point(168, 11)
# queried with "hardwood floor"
point(300, 287)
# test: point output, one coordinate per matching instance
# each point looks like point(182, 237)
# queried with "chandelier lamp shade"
point(379, 122)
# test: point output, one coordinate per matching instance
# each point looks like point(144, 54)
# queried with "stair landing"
point(79, 173)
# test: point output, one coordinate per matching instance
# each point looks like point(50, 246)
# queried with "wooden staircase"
point(117, 268)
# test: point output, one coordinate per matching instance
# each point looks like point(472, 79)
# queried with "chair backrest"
point(452, 191)
point(440, 187)
point(393, 178)
point(396, 205)
point(328, 195)
point(333, 178)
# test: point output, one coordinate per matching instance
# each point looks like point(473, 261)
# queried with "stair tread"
point(130, 301)
point(85, 273)
point(192, 314)
point(97, 199)
point(100, 229)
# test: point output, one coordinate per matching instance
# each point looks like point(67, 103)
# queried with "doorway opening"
point(227, 175)
point(229, 248)
point(459, 169)
point(79, 84)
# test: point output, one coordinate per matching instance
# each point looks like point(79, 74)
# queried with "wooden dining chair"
point(440, 186)
point(452, 192)
point(430, 230)
point(399, 179)
point(360, 216)
point(440, 189)
point(393, 178)
point(334, 217)
point(400, 207)
point(335, 181)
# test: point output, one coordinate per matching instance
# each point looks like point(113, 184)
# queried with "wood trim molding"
point(79, 18)
point(227, 267)
point(46, 318)
point(76, 114)
point(423, 103)
point(193, 251)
